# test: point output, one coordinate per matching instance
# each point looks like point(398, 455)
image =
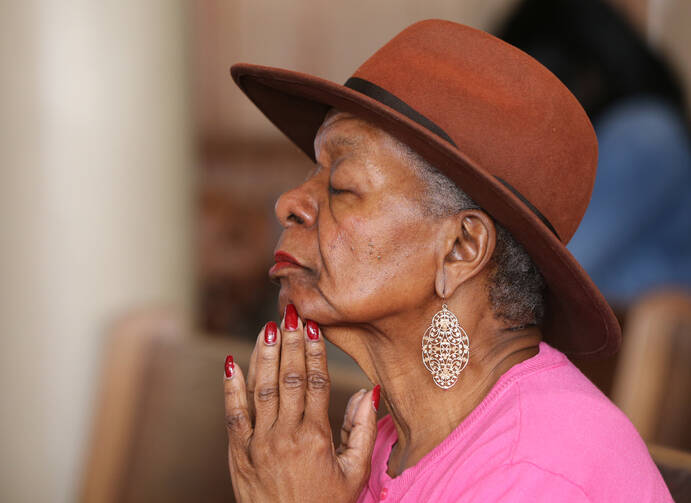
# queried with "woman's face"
point(357, 227)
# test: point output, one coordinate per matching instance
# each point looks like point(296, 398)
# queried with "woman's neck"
point(424, 414)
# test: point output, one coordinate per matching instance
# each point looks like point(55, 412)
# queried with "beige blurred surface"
point(653, 382)
point(96, 213)
point(328, 39)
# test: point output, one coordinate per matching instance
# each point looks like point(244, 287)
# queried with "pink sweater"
point(544, 433)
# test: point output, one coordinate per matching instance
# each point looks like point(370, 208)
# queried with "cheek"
point(373, 267)
point(356, 243)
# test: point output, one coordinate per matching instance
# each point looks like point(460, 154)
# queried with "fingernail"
point(312, 330)
point(230, 367)
point(270, 333)
point(291, 317)
point(375, 397)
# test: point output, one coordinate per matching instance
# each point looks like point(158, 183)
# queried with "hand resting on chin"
point(280, 444)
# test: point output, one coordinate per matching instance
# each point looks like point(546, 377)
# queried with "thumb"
point(355, 459)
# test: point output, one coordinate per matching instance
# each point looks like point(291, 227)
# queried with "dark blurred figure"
point(636, 233)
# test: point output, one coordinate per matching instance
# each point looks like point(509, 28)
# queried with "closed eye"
point(335, 191)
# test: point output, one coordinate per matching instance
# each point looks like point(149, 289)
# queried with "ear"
point(466, 248)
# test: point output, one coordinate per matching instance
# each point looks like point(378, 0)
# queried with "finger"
point(318, 384)
point(251, 379)
point(266, 390)
point(355, 459)
point(292, 375)
point(238, 425)
point(349, 416)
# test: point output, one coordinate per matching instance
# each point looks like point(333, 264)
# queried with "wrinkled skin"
point(374, 267)
point(363, 241)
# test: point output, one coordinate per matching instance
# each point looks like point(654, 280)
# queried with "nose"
point(296, 207)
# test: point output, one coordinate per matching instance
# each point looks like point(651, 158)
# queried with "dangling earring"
point(445, 348)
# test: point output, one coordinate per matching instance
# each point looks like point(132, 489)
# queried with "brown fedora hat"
point(493, 120)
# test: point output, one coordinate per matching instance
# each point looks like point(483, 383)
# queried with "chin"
point(310, 303)
point(304, 302)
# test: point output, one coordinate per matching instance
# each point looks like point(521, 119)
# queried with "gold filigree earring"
point(445, 348)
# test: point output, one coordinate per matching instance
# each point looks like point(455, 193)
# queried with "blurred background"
point(137, 196)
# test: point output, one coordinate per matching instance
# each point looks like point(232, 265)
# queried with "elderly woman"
point(429, 244)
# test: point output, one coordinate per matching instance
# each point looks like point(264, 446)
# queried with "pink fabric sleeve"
point(523, 482)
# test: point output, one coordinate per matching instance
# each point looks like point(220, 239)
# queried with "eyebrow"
point(355, 143)
point(341, 140)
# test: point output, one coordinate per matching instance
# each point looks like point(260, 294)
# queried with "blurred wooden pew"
point(652, 383)
point(159, 432)
point(675, 467)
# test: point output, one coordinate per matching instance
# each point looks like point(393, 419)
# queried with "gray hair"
point(516, 290)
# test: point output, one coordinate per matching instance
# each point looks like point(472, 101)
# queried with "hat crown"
point(501, 108)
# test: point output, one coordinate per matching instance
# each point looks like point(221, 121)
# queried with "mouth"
point(283, 260)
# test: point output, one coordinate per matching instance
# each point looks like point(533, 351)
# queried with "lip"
point(283, 260)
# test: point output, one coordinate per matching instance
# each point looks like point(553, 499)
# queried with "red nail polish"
point(230, 367)
point(375, 397)
point(270, 333)
point(291, 317)
point(312, 330)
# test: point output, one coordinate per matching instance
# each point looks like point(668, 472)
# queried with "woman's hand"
point(280, 446)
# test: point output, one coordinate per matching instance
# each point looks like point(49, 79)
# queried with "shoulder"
point(561, 409)
point(524, 481)
point(572, 430)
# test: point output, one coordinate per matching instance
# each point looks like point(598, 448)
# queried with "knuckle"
point(320, 437)
point(232, 393)
point(236, 420)
point(268, 357)
point(322, 444)
point(284, 444)
point(317, 380)
point(292, 342)
point(259, 451)
point(316, 351)
point(293, 380)
point(319, 440)
point(266, 393)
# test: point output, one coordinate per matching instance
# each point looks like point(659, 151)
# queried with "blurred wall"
point(329, 39)
point(96, 199)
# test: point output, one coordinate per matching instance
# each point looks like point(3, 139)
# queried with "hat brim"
point(578, 321)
